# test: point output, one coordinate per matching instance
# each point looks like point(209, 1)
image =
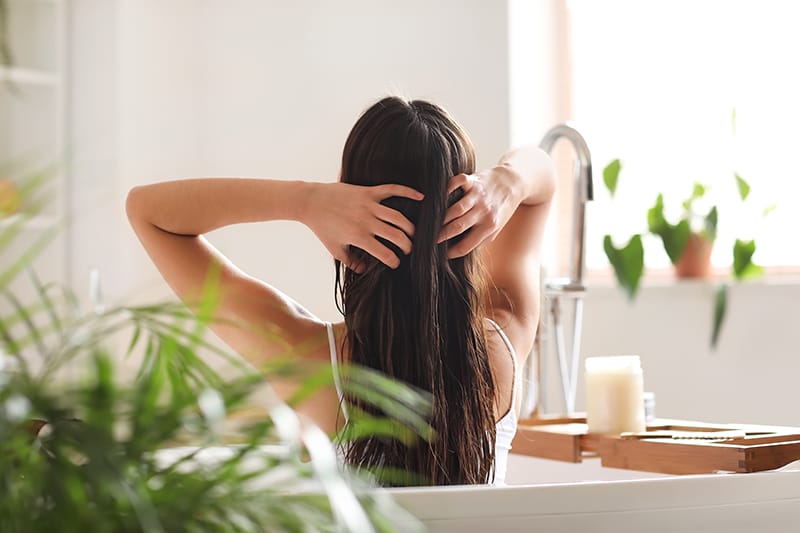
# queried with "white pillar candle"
point(614, 394)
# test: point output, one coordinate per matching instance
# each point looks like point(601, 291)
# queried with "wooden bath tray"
point(723, 448)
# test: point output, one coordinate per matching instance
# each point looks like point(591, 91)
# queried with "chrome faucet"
point(583, 193)
point(555, 291)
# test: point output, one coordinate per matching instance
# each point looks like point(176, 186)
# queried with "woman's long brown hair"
point(422, 323)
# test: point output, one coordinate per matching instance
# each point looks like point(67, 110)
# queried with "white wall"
point(262, 89)
point(284, 86)
point(95, 218)
point(752, 375)
point(249, 87)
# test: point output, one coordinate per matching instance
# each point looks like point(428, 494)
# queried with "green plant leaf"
point(743, 266)
point(710, 223)
point(769, 209)
point(34, 331)
point(611, 176)
point(627, 262)
point(39, 244)
point(675, 239)
point(397, 477)
point(720, 310)
point(99, 469)
point(46, 301)
point(743, 186)
point(699, 190)
point(362, 425)
point(655, 216)
point(311, 385)
point(6, 56)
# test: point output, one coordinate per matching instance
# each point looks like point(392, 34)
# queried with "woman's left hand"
point(490, 198)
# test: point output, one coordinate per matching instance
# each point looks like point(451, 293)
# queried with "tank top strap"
point(335, 368)
point(513, 354)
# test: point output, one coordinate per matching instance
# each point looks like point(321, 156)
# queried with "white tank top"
point(506, 427)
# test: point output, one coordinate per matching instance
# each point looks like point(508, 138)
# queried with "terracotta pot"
point(695, 262)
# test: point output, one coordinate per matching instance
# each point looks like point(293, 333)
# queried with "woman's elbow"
point(545, 178)
point(134, 204)
point(550, 179)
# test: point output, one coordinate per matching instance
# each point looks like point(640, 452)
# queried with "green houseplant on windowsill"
point(687, 242)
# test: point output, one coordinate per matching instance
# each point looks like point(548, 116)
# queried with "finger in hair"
point(459, 208)
point(380, 252)
point(396, 218)
point(351, 262)
point(395, 236)
point(459, 180)
point(462, 224)
point(356, 266)
point(465, 246)
point(395, 189)
point(453, 229)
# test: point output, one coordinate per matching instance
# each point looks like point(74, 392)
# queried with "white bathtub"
point(550, 496)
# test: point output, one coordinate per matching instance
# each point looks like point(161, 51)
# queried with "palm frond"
point(106, 458)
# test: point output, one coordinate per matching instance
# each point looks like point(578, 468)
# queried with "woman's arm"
point(505, 209)
point(170, 219)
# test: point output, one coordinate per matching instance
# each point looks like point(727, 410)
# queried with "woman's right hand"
point(343, 215)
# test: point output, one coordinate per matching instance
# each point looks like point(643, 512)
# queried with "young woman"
point(437, 269)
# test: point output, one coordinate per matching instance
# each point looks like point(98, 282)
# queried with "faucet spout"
point(559, 293)
point(583, 193)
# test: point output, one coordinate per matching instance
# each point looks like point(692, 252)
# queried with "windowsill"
point(665, 277)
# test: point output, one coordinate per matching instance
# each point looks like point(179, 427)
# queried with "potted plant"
point(89, 453)
point(688, 242)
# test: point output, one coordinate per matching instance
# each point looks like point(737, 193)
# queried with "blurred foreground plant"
point(6, 57)
point(78, 450)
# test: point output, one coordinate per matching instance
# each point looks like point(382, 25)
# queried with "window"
point(654, 84)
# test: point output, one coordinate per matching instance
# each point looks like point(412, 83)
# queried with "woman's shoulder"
point(317, 340)
point(335, 333)
point(519, 331)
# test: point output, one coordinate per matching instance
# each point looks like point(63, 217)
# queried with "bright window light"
point(655, 83)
